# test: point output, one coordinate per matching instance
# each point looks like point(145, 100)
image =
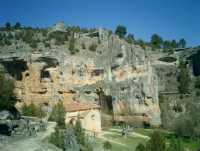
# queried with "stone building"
point(88, 113)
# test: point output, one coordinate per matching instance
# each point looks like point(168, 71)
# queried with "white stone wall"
point(90, 119)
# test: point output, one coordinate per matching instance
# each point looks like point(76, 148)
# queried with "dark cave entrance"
point(45, 76)
point(15, 68)
point(105, 101)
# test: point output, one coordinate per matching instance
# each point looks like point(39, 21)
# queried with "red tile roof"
point(73, 106)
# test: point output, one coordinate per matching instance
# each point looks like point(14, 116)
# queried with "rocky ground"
point(33, 143)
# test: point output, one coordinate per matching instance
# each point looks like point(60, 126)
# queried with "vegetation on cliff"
point(7, 96)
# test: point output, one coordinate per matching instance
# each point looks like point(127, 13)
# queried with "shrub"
point(175, 145)
point(93, 47)
point(184, 128)
point(47, 45)
point(2, 43)
point(107, 145)
point(130, 38)
point(44, 32)
point(140, 147)
point(120, 31)
point(32, 110)
point(33, 44)
point(10, 36)
point(72, 46)
point(59, 37)
point(7, 42)
point(7, 97)
point(157, 142)
point(58, 115)
point(57, 138)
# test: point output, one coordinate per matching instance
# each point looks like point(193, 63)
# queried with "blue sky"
point(172, 19)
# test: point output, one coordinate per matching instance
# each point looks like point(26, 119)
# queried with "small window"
point(93, 117)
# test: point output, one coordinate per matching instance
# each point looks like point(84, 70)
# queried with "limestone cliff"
point(129, 76)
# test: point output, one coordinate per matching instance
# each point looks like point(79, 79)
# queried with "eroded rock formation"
point(129, 76)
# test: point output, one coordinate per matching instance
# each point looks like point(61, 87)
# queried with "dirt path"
point(33, 144)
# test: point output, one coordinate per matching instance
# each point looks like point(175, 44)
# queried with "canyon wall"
point(127, 75)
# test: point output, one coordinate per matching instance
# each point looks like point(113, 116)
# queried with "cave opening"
point(97, 72)
point(45, 75)
point(196, 64)
point(105, 101)
point(15, 68)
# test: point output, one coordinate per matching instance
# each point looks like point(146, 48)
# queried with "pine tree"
point(120, 31)
point(156, 41)
point(17, 25)
point(130, 38)
point(182, 43)
point(58, 115)
point(79, 133)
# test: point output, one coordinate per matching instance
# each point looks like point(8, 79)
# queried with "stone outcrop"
point(129, 76)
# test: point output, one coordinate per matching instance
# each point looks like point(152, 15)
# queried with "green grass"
point(120, 143)
point(129, 143)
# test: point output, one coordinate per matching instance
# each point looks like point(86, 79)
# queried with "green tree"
point(120, 31)
point(32, 110)
point(17, 25)
point(79, 133)
point(57, 138)
point(184, 78)
point(58, 115)
point(176, 145)
point(107, 145)
point(174, 44)
point(182, 43)
point(156, 41)
point(72, 45)
point(8, 26)
point(130, 38)
point(157, 142)
point(140, 147)
point(7, 97)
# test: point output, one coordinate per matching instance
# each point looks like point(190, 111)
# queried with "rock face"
point(129, 76)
